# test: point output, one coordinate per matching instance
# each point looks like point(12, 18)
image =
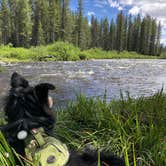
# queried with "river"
point(92, 78)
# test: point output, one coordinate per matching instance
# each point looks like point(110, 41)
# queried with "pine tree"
point(143, 37)
point(137, 33)
point(23, 23)
point(94, 32)
point(5, 22)
point(13, 22)
point(44, 18)
point(120, 32)
point(158, 45)
point(129, 34)
point(125, 33)
point(40, 35)
point(100, 42)
point(112, 35)
point(54, 20)
point(106, 34)
point(63, 19)
point(35, 27)
point(148, 34)
point(66, 20)
point(80, 23)
point(74, 34)
point(153, 38)
point(86, 34)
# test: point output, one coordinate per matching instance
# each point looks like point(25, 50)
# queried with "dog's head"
point(29, 102)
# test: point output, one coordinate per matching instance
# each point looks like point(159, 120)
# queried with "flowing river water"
point(92, 78)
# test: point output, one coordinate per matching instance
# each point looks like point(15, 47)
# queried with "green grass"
point(6, 153)
point(1, 68)
point(130, 128)
point(133, 128)
point(97, 53)
point(61, 51)
point(163, 55)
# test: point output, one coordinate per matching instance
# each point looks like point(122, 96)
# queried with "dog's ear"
point(42, 91)
point(18, 81)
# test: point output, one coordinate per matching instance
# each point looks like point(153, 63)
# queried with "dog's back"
point(27, 107)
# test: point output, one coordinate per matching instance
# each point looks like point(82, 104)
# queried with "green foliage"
point(61, 51)
point(97, 53)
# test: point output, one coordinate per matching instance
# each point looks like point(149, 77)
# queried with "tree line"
point(26, 23)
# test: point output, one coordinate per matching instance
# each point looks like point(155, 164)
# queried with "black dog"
point(28, 107)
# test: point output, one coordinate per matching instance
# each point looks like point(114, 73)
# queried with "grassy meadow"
point(61, 51)
point(130, 128)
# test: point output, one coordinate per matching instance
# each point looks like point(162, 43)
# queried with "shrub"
point(82, 56)
point(64, 51)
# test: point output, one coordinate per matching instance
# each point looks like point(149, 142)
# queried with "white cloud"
point(126, 2)
point(134, 11)
point(90, 13)
point(120, 8)
point(115, 4)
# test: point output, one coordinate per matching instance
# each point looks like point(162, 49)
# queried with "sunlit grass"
point(6, 153)
point(60, 51)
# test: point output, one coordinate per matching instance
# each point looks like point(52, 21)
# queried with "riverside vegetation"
point(61, 51)
point(132, 128)
point(1, 68)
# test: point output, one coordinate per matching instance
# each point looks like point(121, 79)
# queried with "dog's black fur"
point(30, 106)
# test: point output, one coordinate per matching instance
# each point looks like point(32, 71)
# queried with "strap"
point(37, 134)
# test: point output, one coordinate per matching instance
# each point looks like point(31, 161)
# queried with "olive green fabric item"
point(47, 150)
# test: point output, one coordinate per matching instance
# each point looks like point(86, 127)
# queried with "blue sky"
point(110, 8)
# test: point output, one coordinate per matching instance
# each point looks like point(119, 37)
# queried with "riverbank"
point(61, 51)
point(132, 128)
